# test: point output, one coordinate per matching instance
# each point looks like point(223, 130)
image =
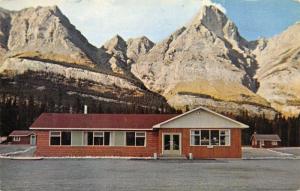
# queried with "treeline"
point(19, 112)
point(288, 128)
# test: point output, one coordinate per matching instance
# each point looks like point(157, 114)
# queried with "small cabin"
point(265, 140)
point(23, 137)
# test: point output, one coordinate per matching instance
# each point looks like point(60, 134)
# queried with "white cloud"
point(209, 2)
point(99, 20)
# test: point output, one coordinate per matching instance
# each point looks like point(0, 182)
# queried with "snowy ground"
point(16, 150)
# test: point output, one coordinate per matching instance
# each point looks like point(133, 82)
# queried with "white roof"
point(201, 117)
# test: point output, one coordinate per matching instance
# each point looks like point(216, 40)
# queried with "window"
point(214, 137)
point(224, 137)
point(140, 138)
point(55, 138)
point(274, 143)
point(130, 138)
point(195, 137)
point(135, 138)
point(98, 138)
point(65, 138)
point(210, 137)
point(60, 138)
point(205, 137)
point(17, 139)
point(90, 138)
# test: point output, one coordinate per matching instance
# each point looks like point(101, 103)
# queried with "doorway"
point(171, 144)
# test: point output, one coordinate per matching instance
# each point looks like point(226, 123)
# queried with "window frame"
point(17, 139)
point(135, 136)
point(50, 136)
point(60, 138)
point(210, 145)
point(101, 136)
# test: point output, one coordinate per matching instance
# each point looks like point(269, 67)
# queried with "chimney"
point(85, 109)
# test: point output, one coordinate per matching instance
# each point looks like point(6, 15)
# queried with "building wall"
point(23, 141)
point(43, 148)
point(202, 152)
point(267, 144)
point(153, 145)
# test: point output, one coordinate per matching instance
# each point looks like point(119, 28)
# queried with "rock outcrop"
point(202, 64)
point(207, 62)
point(279, 70)
point(41, 42)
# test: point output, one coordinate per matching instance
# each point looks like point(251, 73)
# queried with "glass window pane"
point(90, 138)
point(98, 134)
point(107, 138)
point(196, 139)
point(140, 141)
point(167, 141)
point(222, 140)
point(175, 142)
point(205, 137)
point(119, 138)
point(55, 134)
point(214, 134)
point(77, 138)
point(98, 140)
point(130, 138)
point(140, 134)
point(65, 138)
point(55, 141)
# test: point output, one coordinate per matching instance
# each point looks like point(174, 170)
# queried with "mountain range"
point(207, 62)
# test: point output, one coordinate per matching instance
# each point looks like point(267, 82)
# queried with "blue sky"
point(262, 18)
point(99, 20)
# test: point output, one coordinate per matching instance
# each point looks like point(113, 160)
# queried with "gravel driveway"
point(154, 175)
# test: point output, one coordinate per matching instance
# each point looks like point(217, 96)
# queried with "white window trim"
point(111, 143)
point(17, 139)
point(210, 145)
point(171, 134)
point(103, 136)
point(55, 136)
point(135, 132)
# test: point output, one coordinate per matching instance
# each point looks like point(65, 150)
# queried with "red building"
point(24, 137)
point(200, 133)
point(265, 141)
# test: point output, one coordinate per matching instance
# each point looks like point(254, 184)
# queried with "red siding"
point(153, 145)
point(267, 144)
point(202, 152)
point(43, 148)
point(23, 140)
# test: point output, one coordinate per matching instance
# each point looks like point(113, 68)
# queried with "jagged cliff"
point(207, 62)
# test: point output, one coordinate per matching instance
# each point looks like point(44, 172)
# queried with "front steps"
point(172, 157)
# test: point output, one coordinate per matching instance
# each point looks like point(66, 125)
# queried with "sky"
point(100, 20)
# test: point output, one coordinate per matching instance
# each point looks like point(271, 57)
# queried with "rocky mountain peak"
point(117, 43)
point(218, 23)
point(137, 47)
point(44, 33)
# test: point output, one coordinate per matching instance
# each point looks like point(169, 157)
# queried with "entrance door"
point(32, 140)
point(172, 144)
